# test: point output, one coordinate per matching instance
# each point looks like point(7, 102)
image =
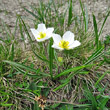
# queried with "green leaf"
point(66, 72)
point(26, 30)
point(6, 105)
point(21, 29)
point(107, 40)
point(84, 72)
point(21, 66)
point(51, 55)
point(40, 75)
point(103, 103)
point(66, 107)
point(95, 55)
point(54, 106)
point(84, 17)
point(34, 15)
point(35, 106)
point(101, 78)
point(14, 33)
point(96, 32)
point(70, 13)
point(32, 86)
point(45, 60)
point(59, 87)
point(90, 97)
point(6, 30)
point(104, 23)
point(76, 70)
point(12, 52)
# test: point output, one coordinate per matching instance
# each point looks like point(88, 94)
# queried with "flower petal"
point(68, 36)
point(56, 38)
point(41, 27)
point(75, 44)
point(57, 47)
point(49, 31)
point(43, 39)
point(34, 32)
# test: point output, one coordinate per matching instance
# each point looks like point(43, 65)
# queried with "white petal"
point(75, 44)
point(56, 38)
point(34, 32)
point(68, 36)
point(57, 47)
point(41, 27)
point(49, 31)
point(43, 39)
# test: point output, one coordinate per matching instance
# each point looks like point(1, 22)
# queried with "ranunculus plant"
point(66, 42)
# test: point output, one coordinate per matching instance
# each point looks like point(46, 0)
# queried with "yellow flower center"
point(42, 35)
point(64, 44)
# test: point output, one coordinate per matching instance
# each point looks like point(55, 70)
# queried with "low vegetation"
point(35, 76)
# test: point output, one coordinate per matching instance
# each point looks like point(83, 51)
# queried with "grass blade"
point(66, 72)
point(95, 55)
point(75, 69)
point(86, 17)
point(6, 105)
point(59, 87)
point(83, 12)
point(101, 78)
point(32, 75)
point(12, 52)
point(31, 13)
point(103, 103)
point(96, 32)
point(21, 66)
point(25, 29)
point(89, 95)
point(51, 54)
point(70, 13)
point(15, 26)
point(45, 60)
point(104, 23)
point(21, 30)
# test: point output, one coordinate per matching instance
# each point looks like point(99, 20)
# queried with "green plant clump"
point(58, 70)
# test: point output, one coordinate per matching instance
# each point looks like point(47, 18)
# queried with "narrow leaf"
point(70, 12)
point(96, 32)
point(31, 13)
point(104, 23)
point(51, 54)
point(71, 70)
point(21, 66)
point(101, 78)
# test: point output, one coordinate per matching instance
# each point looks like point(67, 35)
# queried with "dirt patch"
point(99, 8)
point(9, 9)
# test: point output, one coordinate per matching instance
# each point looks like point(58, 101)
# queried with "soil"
point(9, 9)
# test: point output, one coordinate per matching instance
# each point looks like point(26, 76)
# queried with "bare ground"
point(9, 9)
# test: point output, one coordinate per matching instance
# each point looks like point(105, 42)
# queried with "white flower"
point(66, 42)
point(41, 33)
